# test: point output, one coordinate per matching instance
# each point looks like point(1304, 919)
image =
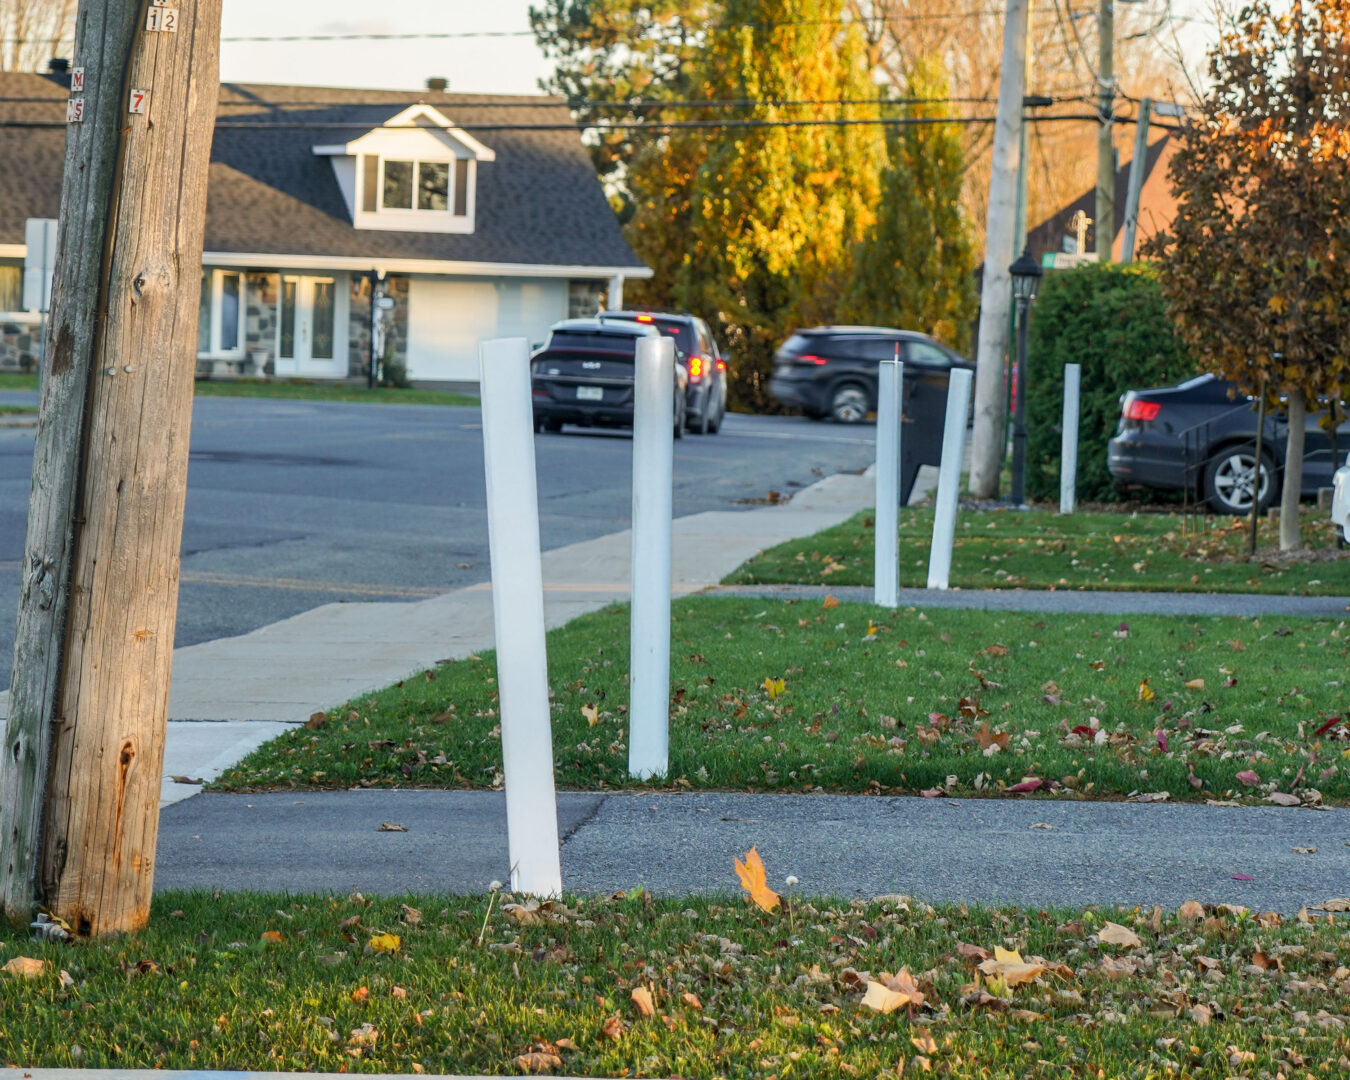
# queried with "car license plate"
point(590, 393)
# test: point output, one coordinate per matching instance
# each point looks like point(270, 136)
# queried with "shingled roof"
point(538, 203)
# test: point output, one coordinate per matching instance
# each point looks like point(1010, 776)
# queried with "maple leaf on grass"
point(987, 738)
point(1009, 966)
point(890, 992)
point(755, 881)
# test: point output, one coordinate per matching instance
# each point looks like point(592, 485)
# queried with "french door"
point(310, 327)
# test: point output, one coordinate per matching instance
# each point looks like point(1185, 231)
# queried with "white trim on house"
point(13, 251)
point(259, 260)
point(439, 122)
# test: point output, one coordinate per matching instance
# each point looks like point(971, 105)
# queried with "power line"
point(653, 126)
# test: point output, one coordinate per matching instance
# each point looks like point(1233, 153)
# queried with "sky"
point(488, 64)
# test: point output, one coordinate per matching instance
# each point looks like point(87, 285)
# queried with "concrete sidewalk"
point(1029, 852)
point(230, 696)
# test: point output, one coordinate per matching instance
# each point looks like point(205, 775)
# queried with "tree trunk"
point(1000, 249)
point(98, 606)
point(1290, 540)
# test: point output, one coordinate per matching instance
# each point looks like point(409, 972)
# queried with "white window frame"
point(215, 352)
point(415, 220)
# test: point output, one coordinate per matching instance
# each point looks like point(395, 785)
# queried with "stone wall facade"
point(20, 344)
point(395, 323)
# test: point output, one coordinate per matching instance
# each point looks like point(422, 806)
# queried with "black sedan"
point(832, 370)
point(584, 375)
point(1200, 435)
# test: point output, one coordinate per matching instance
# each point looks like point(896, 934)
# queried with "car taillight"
point(645, 318)
point(1142, 410)
point(721, 365)
point(695, 368)
point(809, 358)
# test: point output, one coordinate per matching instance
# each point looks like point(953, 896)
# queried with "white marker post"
point(949, 479)
point(886, 575)
point(653, 489)
point(1068, 447)
point(518, 616)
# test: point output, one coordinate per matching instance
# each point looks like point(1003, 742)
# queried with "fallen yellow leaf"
point(774, 687)
point(830, 602)
point(1115, 934)
point(1145, 692)
point(384, 943)
point(755, 881)
point(883, 999)
point(275, 936)
point(1196, 684)
point(1009, 967)
point(592, 714)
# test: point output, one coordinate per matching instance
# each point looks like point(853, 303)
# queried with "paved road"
point(296, 504)
point(967, 850)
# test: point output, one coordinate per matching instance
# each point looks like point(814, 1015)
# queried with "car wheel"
point(552, 426)
point(679, 421)
point(714, 423)
point(1229, 480)
point(850, 404)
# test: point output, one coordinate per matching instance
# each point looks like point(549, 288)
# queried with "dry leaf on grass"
point(830, 602)
point(613, 1028)
point(691, 1000)
point(754, 880)
point(25, 967)
point(642, 998)
point(536, 1062)
point(1115, 934)
point(365, 1035)
point(1191, 910)
point(1283, 798)
point(274, 936)
point(987, 738)
point(1195, 684)
point(1009, 966)
point(391, 826)
point(890, 992)
point(1340, 903)
point(592, 715)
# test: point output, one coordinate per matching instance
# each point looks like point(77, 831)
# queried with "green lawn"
point(881, 700)
point(299, 389)
point(1040, 549)
point(292, 389)
point(692, 987)
point(18, 410)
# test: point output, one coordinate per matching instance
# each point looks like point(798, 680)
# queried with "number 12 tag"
point(163, 19)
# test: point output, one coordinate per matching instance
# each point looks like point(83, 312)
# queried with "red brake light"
point(645, 318)
point(695, 368)
point(721, 365)
point(808, 358)
point(1142, 410)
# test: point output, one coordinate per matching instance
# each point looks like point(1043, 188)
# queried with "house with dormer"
point(345, 227)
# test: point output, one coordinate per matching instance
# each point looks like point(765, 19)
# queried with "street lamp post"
point(1026, 279)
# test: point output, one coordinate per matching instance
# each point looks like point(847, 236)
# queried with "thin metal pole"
point(518, 616)
point(949, 479)
point(1068, 447)
point(1256, 466)
point(653, 485)
point(1019, 461)
point(1136, 181)
point(886, 573)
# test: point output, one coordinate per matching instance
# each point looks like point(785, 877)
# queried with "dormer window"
point(435, 187)
point(415, 173)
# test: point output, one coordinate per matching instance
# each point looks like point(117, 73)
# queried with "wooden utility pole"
point(84, 742)
point(1130, 230)
point(1106, 153)
point(987, 438)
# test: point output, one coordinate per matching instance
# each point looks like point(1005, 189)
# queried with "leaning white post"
point(886, 573)
point(949, 479)
point(1068, 447)
point(649, 620)
point(518, 616)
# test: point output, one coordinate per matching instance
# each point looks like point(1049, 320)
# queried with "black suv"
point(584, 375)
point(706, 398)
point(832, 370)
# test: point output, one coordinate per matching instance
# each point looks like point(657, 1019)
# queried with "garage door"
point(446, 321)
